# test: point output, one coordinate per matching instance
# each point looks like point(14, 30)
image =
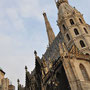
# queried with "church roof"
point(2, 70)
point(53, 47)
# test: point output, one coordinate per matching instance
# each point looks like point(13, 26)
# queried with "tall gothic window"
point(68, 37)
point(76, 31)
point(71, 21)
point(64, 27)
point(82, 43)
point(85, 30)
point(80, 20)
point(84, 72)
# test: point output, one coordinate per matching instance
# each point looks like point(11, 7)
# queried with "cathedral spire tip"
point(26, 68)
point(35, 52)
point(50, 33)
point(44, 14)
point(18, 81)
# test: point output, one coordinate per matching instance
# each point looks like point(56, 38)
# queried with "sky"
point(22, 30)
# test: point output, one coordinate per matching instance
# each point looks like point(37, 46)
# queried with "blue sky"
point(22, 30)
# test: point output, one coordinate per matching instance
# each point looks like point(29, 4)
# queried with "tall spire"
point(51, 35)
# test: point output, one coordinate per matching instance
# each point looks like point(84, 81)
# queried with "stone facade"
point(4, 82)
point(2, 73)
point(73, 27)
point(66, 63)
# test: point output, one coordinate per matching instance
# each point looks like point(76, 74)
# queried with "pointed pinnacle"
point(35, 52)
point(26, 68)
point(50, 33)
point(18, 81)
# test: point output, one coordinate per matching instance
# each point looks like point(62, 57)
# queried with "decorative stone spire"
point(59, 2)
point(26, 68)
point(18, 81)
point(51, 35)
point(35, 53)
point(45, 65)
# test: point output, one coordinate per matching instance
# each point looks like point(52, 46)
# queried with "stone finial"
point(18, 81)
point(26, 68)
point(35, 52)
point(50, 33)
point(44, 14)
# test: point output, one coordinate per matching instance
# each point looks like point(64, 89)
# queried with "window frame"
point(64, 27)
point(80, 20)
point(82, 43)
point(68, 37)
point(72, 21)
point(84, 72)
point(85, 30)
point(76, 31)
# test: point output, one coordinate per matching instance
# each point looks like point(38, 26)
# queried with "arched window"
point(68, 37)
point(80, 21)
point(64, 27)
point(87, 53)
point(76, 31)
point(82, 43)
point(85, 30)
point(71, 21)
point(84, 72)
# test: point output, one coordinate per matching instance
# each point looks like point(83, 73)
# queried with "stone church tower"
point(73, 27)
point(66, 63)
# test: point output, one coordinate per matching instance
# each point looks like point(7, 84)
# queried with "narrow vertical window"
point(71, 21)
point(80, 20)
point(85, 30)
point(82, 43)
point(84, 72)
point(64, 27)
point(68, 37)
point(76, 31)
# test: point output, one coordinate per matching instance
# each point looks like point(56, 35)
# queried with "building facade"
point(66, 63)
point(4, 82)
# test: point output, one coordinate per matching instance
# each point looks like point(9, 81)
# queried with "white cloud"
point(15, 19)
point(34, 9)
point(30, 9)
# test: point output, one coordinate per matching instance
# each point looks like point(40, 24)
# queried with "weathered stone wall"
point(67, 13)
point(1, 77)
point(74, 74)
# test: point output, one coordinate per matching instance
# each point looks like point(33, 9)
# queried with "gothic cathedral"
point(66, 63)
